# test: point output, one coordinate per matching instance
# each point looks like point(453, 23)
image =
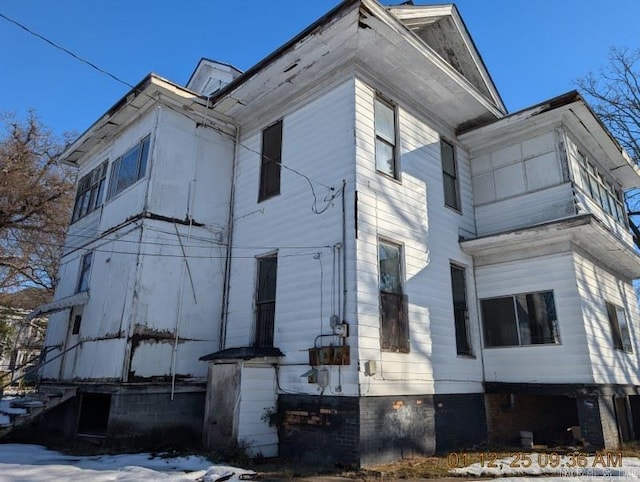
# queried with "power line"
point(124, 82)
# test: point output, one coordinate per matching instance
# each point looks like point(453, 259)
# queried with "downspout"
point(344, 251)
point(224, 314)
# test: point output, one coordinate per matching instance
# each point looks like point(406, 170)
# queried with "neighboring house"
point(22, 344)
point(374, 258)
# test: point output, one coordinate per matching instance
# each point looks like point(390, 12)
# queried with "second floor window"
point(385, 126)
point(394, 321)
point(90, 192)
point(601, 190)
point(130, 168)
point(449, 175)
point(271, 160)
point(518, 320)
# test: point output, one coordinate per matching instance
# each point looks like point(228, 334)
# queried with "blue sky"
point(533, 49)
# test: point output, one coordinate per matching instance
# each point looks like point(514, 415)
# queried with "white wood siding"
point(567, 362)
point(412, 212)
point(520, 185)
point(597, 285)
point(318, 141)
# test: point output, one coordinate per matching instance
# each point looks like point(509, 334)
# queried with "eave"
point(152, 90)
point(585, 232)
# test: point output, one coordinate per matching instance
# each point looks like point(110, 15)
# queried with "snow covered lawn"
point(605, 465)
point(28, 463)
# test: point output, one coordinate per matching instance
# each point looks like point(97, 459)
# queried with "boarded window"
point(523, 319)
point(130, 168)
point(460, 311)
point(90, 192)
point(85, 270)
point(266, 300)
point(385, 126)
point(394, 322)
point(449, 175)
point(271, 160)
point(619, 328)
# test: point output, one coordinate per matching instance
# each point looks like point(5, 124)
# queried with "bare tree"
point(614, 92)
point(36, 195)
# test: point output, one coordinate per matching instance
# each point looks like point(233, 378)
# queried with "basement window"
point(89, 193)
point(394, 322)
point(271, 161)
point(94, 414)
point(520, 320)
point(130, 168)
point(619, 328)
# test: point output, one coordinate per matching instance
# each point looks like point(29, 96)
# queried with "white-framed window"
point(90, 192)
point(129, 168)
point(520, 320)
point(619, 327)
point(386, 138)
point(450, 175)
point(601, 190)
point(394, 321)
point(85, 271)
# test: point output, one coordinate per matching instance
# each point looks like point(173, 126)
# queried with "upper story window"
point(394, 322)
point(271, 160)
point(90, 191)
point(130, 168)
point(85, 270)
point(518, 320)
point(386, 135)
point(619, 328)
point(601, 190)
point(449, 175)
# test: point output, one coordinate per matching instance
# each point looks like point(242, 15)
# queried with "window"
point(394, 322)
point(85, 269)
point(619, 328)
point(385, 126)
point(449, 175)
point(271, 160)
point(601, 190)
point(266, 300)
point(130, 168)
point(76, 319)
point(89, 194)
point(460, 310)
point(518, 320)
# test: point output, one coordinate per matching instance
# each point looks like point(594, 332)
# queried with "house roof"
point(571, 110)
point(151, 90)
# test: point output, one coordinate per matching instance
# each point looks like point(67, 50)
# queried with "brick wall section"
point(395, 427)
point(548, 417)
point(460, 421)
point(154, 420)
point(317, 430)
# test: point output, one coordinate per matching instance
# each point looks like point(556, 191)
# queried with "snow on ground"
point(28, 463)
point(608, 465)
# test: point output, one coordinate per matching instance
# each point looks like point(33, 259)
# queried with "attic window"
point(130, 168)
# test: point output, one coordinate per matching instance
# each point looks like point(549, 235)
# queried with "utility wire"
point(124, 82)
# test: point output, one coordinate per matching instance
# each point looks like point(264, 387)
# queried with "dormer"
point(210, 76)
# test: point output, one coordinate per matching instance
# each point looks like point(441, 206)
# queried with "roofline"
point(242, 78)
point(125, 99)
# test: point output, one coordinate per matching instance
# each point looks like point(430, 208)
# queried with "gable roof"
point(441, 27)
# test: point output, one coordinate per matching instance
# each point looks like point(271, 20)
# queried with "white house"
point(371, 255)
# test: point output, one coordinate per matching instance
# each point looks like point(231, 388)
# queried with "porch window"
point(449, 175)
point(130, 168)
point(89, 193)
point(394, 323)
point(386, 134)
point(520, 320)
point(619, 328)
point(460, 310)
point(271, 159)
point(601, 190)
point(266, 300)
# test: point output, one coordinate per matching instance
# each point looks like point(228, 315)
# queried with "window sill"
point(466, 356)
point(397, 180)
point(455, 210)
point(266, 198)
